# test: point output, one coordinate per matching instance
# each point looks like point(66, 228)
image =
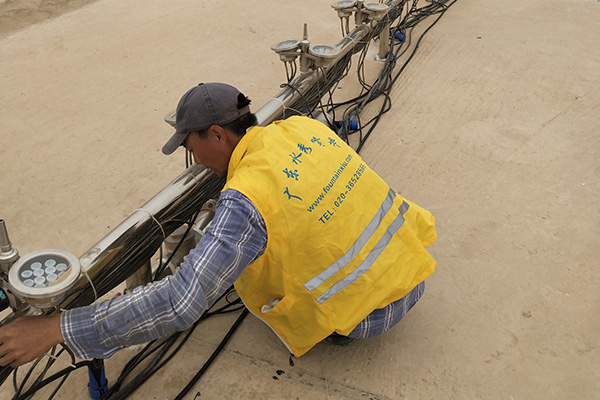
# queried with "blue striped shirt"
point(236, 237)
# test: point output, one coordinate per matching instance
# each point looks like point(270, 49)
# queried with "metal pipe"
point(384, 42)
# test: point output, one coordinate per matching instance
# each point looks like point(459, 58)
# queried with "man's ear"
point(216, 131)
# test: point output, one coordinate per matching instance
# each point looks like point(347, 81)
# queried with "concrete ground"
point(494, 128)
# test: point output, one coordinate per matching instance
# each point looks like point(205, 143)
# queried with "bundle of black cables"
point(151, 358)
point(164, 354)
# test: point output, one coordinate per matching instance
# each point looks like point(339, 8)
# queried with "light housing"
point(43, 278)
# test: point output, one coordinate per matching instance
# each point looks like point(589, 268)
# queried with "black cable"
point(213, 356)
point(19, 388)
point(117, 392)
point(302, 97)
point(64, 379)
point(122, 393)
point(52, 378)
point(385, 81)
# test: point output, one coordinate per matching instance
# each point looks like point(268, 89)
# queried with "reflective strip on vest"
point(357, 246)
point(370, 259)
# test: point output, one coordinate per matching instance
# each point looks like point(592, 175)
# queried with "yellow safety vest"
point(341, 243)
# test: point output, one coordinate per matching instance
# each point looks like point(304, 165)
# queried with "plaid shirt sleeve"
point(236, 237)
point(383, 319)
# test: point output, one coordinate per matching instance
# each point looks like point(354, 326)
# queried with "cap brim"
point(174, 142)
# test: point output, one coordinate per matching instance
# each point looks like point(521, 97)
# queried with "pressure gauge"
point(44, 277)
point(323, 51)
point(286, 45)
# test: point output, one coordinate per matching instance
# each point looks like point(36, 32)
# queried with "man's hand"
point(25, 339)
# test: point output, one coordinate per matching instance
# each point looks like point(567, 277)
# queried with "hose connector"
point(98, 384)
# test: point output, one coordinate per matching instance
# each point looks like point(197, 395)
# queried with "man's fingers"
point(25, 339)
point(6, 359)
point(6, 355)
point(13, 358)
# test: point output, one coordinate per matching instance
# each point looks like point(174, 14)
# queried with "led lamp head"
point(286, 49)
point(323, 51)
point(43, 278)
point(344, 8)
point(343, 4)
point(286, 45)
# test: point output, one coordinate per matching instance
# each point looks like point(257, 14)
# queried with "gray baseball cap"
point(203, 106)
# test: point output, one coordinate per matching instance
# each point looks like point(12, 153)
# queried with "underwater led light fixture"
point(43, 278)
